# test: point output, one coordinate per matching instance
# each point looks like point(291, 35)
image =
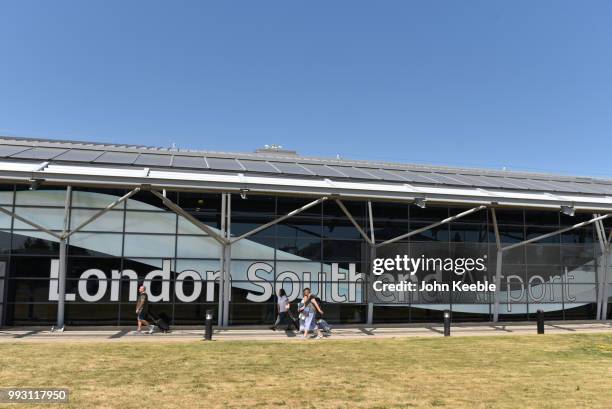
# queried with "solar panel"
point(420, 177)
point(322, 170)
point(533, 184)
point(475, 180)
point(258, 166)
point(584, 187)
point(149, 159)
point(8, 150)
point(448, 178)
point(45, 150)
point(607, 189)
point(353, 172)
point(181, 161)
point(560, 186)
point(79, 155)
point(403, 176)
point(290, 168)
point(501, 182)
point(384, 175)
point(39, 153)
point(223, 164)
point(117, 157)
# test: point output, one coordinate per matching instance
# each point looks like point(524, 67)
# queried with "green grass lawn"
point(551, 371)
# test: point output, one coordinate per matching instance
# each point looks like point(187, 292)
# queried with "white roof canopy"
point(232, 181)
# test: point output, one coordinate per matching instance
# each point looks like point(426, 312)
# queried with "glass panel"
point(342, 250)
point(536, 231)
point(150, 222)
point(200, 247)
point(140, 245)
point(468, 232)
point(111, 221)
point(430, 214)
point(187, 227)
point(33, 267)
point(200, 202)
point(5, 220)
point(145, 200)
point(41, 197)
point(299, 228)
point(96, 198)
point(253, 205)
point(96, 244)
point(52, 219)
point(342, 229)
point(542, 218)
point(6, 195)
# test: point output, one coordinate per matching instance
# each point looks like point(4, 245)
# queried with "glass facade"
point(143, 241)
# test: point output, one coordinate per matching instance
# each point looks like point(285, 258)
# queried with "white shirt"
point(282, 303)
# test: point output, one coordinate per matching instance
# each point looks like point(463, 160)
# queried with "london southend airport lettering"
point(344, 283)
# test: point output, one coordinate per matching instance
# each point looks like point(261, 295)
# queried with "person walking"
point(282, 305)
point(142, 310)
point(309, 308)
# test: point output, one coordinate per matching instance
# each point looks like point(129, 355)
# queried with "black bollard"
point(447, 323)
point(540, 322)
point(208, 327)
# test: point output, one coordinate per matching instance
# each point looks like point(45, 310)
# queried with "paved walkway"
point(124, 334)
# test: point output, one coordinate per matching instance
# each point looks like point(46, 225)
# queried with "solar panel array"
point(270, 164)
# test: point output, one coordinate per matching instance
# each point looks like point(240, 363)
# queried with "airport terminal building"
point(82, 225)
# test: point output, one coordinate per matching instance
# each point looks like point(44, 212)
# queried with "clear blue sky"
point(521, 84)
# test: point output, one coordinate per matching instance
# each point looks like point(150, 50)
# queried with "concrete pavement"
point(127, 334)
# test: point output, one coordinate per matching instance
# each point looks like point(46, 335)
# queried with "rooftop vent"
point(276, 150)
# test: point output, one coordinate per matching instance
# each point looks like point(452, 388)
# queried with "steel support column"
point(227, 257)
point(222, 266)
point(603, 246)
point(607, 281)
point(61, 293)
point(498, 266)
point(372, 246)
point(498, 274)
point(602, 270)
point(225, 283)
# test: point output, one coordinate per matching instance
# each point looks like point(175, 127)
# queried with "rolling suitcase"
point(161, 321)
